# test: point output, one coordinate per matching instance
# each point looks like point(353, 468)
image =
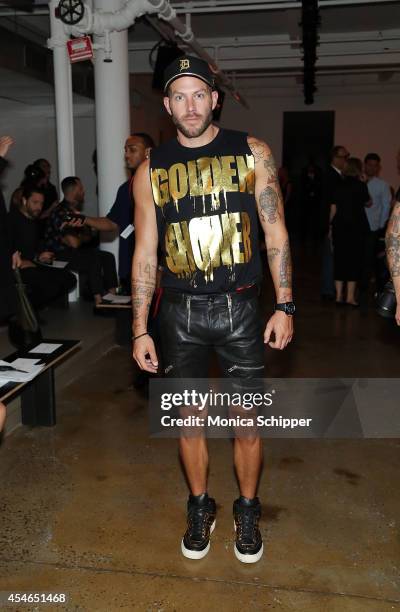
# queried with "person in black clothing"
point(120, 217)
point(332, 179)
point(67, 239)
point(8, 259)
point(44, 283)
point(349, 229)
point(49, 190)
point(200, 197)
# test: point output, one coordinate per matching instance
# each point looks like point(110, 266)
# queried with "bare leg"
point(351, 291)
point(339, 290)
point(194, 455)
point(248, 455)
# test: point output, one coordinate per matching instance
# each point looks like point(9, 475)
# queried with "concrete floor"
point(96, 509)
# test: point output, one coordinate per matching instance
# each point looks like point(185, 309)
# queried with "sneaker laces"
point(198, 523)
point(247, 523)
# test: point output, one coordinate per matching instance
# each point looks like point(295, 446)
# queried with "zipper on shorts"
point(188, 312)
point(239, 367)
point(229, 299)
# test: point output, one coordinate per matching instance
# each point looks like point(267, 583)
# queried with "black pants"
point(45, 285)
point(99, 266)
point(229, 323)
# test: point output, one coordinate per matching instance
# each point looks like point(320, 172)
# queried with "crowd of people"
point(41, 229)
point(345, 208)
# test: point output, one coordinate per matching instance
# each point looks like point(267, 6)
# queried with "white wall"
point(364, 122)
point(34, 133)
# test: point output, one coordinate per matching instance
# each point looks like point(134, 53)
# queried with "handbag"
point(23, 329)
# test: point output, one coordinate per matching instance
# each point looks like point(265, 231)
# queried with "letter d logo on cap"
point(184, 64)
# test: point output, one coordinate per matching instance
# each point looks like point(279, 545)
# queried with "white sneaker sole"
point(248, 558)
point(197, 554)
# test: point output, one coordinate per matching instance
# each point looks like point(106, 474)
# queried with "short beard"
point(194, 132)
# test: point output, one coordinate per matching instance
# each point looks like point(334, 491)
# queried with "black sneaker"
point(201, 511)
point(248, 547)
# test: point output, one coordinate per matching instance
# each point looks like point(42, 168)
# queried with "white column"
point(63, 95)
point(112, 114)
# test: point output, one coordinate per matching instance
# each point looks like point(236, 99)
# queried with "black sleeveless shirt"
point(206, 214)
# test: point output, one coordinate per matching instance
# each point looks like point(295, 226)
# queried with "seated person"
point(44, 283)
point(50, 192)
point(67, 239)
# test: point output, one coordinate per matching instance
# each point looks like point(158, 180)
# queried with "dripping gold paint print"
point(207, 176)
point(206, 243)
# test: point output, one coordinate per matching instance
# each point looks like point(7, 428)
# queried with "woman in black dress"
point(349, 225)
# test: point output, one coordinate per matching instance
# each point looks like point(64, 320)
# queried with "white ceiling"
point(362, 41)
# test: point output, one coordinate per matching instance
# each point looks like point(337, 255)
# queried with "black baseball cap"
point(188, 65)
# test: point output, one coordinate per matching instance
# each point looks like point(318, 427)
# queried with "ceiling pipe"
point(167, 13)
point(218, 6)
point(96, 22)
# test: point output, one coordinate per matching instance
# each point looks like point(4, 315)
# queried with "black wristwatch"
point(287, 307)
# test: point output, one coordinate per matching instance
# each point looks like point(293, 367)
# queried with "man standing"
point(120, 217)
point(199, 196)
point(377, 214)
point(333, 179)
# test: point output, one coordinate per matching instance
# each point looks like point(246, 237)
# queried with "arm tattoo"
point(272, 253)
point(258, 150)
point(269, 200)
point(285, 269)
point(393, 242)
point(269, 165)
point(142, 294)
point(393, 254)
point(394, 222)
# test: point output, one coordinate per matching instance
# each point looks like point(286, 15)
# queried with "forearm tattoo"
point(393, 254)
point(272, 254)
point(269, 205)
point(285, 269)
point(143, 285)
point(393, 242)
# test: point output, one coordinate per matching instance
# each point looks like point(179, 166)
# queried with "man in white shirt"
point(377, 214)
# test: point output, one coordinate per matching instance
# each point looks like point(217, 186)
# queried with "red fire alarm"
point(80, 49)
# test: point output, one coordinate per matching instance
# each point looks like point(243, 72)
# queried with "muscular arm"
point(270, 211)
point(393, 252)
point(271, 215)
point(144, 266)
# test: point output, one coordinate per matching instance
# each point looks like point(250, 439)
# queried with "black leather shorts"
point(191, 326)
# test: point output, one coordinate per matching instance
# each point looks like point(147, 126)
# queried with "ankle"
point(248, 501)
point(199, 500)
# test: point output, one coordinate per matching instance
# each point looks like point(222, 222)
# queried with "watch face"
point(290, 308)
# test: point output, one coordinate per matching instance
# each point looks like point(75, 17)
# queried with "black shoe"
point(201, 511)
point(249, 546)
